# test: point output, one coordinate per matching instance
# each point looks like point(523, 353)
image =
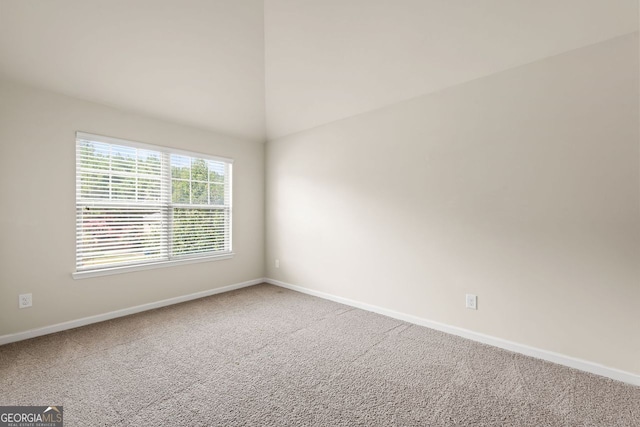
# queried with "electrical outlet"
point(25, 300)
point(472, 301)
point(277, 263)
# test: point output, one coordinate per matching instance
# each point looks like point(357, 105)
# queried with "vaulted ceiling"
point(198, 62)
point(263, 69)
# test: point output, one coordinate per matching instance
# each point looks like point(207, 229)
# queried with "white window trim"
point(149, 266)
point(84, 274)
point(136, 144)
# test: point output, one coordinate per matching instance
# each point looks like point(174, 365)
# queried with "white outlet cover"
point(25, 300)
point(472, 301)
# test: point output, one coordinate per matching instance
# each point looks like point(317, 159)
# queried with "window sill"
point(150, 266)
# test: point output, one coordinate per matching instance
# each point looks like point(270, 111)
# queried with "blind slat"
point(136, 204)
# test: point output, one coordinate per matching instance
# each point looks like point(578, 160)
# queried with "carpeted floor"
point(266, 356)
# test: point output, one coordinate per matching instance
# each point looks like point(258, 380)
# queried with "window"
point(140, 205)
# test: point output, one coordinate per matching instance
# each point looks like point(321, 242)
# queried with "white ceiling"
point(212, 63)
point(331, 59)
point(198, 62)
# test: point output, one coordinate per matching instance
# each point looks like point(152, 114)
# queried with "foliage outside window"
point(138, 204)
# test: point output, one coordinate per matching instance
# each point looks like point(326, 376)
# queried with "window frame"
point(167, 204)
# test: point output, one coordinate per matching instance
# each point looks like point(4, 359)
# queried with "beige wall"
point(520, 187)
point(37, 218)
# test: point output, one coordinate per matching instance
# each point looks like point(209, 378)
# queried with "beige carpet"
point(265, 356)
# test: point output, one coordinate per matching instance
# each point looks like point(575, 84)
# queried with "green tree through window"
point(139, 204)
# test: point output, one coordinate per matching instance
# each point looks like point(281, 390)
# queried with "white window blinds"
point(138, 204)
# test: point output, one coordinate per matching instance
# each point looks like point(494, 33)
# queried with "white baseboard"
point(538, 353)
point(32, 333)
